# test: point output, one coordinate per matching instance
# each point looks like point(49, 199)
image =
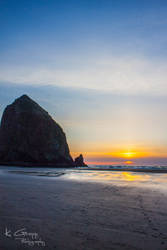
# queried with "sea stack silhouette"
point(79, 161)
point(30, 137)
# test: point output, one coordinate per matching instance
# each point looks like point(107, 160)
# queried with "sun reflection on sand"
point(110, 176)
point(122, 178)
point(134, 177)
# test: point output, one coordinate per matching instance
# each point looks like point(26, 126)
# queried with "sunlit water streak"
point(150, 180)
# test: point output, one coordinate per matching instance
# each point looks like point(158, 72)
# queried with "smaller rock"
point(79, 161)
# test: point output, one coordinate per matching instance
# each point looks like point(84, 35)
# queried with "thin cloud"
point(127, 75)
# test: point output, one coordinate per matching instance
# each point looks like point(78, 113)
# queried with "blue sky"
point(113, 45)
point(99, 67)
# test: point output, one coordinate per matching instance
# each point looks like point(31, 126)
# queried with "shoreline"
point(123, 169)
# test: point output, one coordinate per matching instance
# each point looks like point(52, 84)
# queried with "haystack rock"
point(79, 161)
point(29, 136)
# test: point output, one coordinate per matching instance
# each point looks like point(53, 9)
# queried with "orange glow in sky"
point(115, 154)
point(131, 154)
point(123, 156)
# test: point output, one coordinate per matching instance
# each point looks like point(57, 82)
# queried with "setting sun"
point(128, 154)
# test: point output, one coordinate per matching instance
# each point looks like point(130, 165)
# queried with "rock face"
point(79, 161)
point(29, 136)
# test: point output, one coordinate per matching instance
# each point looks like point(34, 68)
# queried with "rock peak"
point(25, 104)
point(23, 98)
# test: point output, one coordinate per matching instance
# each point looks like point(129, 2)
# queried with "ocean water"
point(124, 167)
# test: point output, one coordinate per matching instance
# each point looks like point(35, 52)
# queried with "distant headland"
point(30, 137)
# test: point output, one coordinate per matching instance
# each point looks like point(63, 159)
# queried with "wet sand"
point(69, 214)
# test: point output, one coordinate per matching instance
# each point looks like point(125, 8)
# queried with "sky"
point(99, 67)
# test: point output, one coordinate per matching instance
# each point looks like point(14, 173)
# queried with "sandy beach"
point(69, 212)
